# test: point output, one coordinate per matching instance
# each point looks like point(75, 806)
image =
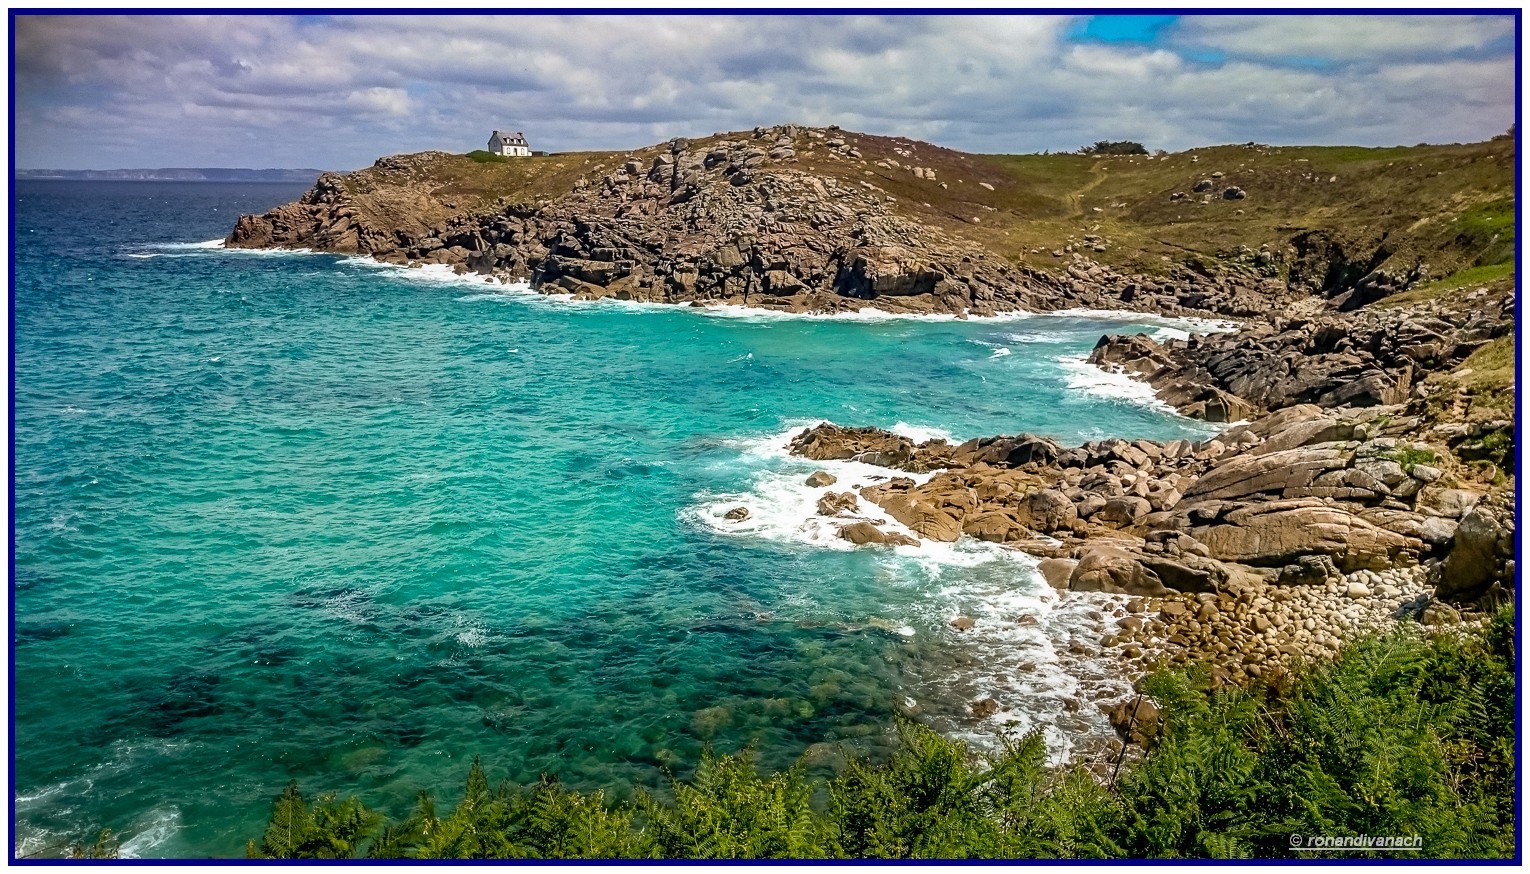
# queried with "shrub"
point(1411, 457)
point(1106, 147)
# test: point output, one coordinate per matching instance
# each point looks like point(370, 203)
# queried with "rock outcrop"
point(1307, 499)
point(1369, 358)
point(738, 218)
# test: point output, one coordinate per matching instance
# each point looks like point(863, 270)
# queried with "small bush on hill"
point(1106, 147)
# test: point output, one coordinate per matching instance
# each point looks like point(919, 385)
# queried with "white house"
point(510, 145)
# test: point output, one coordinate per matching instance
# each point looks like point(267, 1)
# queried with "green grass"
point(1491, 374)
point(1487, 379)
point(1489, 230)
point(1450, 206)
point(1471, 277)
point(1410, 458)
point(485, 157)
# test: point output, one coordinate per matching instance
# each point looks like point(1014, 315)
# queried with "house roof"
point(516, 138)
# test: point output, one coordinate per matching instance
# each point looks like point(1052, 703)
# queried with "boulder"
point(838, 504)
point(1276, 533)
point(1186, 572)
point(861, 533)
point(1437, 531)
point(1298, 426)
point(1057, 571)
point(1124, 510)
point(1048, 510)
point(1476, 559)
point(1136, 721)
point(1089, 505)
point(1308, 570)
point(1114, 571)
point(924, 517)
point(996, 526)
point(1243, 475)
point(828, 442)
point(737, 514)
point(1008, 451)
point(819, 479)
point(1162, 496)
point(1450, 503)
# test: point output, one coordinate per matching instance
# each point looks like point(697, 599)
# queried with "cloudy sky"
point(336, 92)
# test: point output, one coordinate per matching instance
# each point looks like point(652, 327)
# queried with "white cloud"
point(340, 89)
point(1344, 39)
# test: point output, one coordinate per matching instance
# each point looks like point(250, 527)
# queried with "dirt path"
point(1076, 199)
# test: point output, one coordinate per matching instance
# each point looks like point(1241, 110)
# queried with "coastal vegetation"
point(1106, 147)
point(1403, 735)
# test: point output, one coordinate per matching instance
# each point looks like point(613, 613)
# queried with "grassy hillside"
point(1433, 211)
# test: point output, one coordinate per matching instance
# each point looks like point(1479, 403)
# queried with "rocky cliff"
point(776, 218)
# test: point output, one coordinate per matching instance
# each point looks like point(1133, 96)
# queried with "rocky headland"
point(1367, 471)
point(778, 218)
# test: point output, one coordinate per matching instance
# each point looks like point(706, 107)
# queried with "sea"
point(287, 516)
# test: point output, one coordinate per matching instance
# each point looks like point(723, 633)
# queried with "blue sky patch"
point(1124, 28)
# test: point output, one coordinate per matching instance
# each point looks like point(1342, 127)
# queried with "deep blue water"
point(295, 516)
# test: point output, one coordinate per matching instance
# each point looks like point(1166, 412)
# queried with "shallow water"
point(296, 516)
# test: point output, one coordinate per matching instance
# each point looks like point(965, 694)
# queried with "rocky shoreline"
point(1272, 543)
point(1362, 478)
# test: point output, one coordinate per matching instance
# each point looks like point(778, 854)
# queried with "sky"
point(337, 92)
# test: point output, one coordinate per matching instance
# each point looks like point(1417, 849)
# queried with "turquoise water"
point(296, 516)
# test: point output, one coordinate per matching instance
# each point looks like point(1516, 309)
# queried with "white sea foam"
point(863, 314)
point(46, 792)
point(1018, 644)
point(995, 350)
point(205, 244)
point(149, 831)
point(782, 506)
point(30, 839)
point(920, 433)
point(438, 274)
point(212, 247)
point(471, 633)
point(1192, 324)
point(1082, 376)
point(1021, 645)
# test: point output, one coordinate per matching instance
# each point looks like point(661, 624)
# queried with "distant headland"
point(178, 174)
